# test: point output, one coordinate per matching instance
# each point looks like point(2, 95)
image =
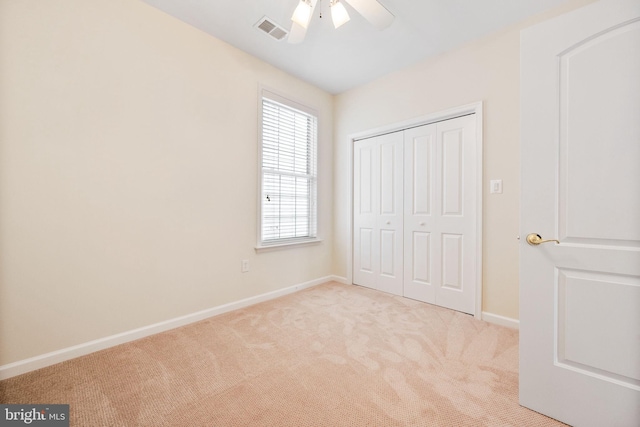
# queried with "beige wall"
point(128, 173)
point(486, 70)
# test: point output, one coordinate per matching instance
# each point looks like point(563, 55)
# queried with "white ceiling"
point(356, 53)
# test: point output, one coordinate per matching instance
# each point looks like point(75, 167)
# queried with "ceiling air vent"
point(271, 28)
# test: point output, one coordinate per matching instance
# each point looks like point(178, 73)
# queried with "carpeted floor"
point(333, 355)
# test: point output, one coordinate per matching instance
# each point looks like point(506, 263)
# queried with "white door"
point(421, 270)
point(580, 148)
point(378, 214)
point(440, 214)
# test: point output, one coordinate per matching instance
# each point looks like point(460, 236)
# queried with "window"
point(288, 171)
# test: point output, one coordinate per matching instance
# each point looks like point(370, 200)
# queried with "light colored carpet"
point(333, 355)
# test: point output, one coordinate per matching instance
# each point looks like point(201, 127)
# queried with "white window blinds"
point(289, 138)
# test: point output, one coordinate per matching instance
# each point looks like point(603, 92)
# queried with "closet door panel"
point(378, 213)
point(419, 190)
point(391, 216)
point(366, 176)
point(456, 224)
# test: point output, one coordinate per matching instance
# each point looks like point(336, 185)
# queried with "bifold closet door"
point(415, 213)
point(420, 225)
point(378, 213)
point(440, 171)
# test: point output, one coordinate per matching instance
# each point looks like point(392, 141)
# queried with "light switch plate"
point(496, 186)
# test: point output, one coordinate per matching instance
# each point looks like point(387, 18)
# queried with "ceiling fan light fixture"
point(339, 14)
point(302, 14)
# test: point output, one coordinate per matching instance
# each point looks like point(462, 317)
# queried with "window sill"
point(286, 245)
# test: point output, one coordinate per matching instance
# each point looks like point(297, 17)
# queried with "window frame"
point(313, 236)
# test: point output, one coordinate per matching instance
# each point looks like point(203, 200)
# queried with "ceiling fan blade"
point(373, 12)
point(298, 32)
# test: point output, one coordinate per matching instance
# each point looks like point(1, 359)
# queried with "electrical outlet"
point(245, 265)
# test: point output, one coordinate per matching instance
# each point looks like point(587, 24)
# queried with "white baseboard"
point(48, 359)
point(340, 279)
point(501, 320)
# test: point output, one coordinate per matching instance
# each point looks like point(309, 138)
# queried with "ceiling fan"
point(371, 10)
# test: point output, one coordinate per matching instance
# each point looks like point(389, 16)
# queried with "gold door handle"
point(535, 239)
